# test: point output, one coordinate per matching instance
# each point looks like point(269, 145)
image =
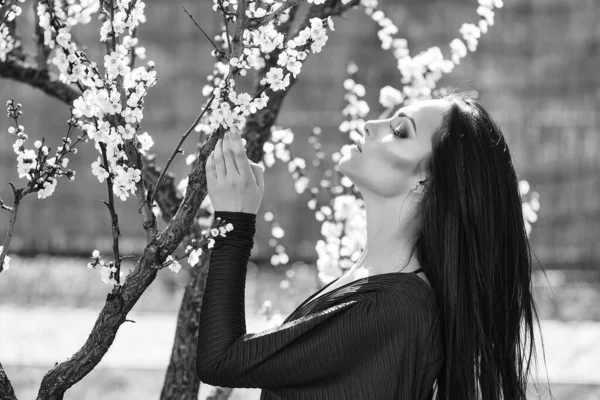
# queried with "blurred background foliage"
point(536, 71)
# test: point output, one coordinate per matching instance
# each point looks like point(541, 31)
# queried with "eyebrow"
point(412, 120)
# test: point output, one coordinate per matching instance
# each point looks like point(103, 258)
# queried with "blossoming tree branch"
point(106, 99)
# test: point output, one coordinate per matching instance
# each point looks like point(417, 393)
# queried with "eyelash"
point(398, 133)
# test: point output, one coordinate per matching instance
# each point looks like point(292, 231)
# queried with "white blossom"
point(107, 274)
point(173, 264)
point(145, 142)
point(26, 161)
point(194, 257)
point(48, 188)
point(99, 171)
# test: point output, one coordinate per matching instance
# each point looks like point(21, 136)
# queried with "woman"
point(439, 315)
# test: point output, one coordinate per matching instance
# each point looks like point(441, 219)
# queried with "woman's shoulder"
point(393, 294)
point(408, 298)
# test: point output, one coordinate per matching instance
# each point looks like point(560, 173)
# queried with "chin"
point(347, 171)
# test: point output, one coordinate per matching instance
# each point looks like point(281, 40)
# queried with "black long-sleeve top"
point(375, 338)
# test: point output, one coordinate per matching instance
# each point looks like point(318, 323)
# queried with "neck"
point(390, 232)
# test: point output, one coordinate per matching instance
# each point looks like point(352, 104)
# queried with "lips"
point(359, 145)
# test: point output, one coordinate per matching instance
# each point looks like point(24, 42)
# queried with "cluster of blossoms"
point(218, 76)
point(7, 41)
point(108, 271)
point(346, 241)
point(421, 73)
point(194, 250)
point(127, 16)
point(356, 108)
point(41, 171)
point(230, 108)
point(343, 227)
point(119, 92)
point(228, 116)
point(225, 5)
point(344, 230)
point(13, 10)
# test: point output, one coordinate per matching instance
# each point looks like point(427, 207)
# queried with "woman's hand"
point(234, 182)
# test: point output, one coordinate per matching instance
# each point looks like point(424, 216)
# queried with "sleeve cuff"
point(244, 225)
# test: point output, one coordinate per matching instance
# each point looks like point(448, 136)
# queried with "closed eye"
point(398, 132)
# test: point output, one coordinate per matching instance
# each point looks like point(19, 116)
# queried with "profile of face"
point(391, 149)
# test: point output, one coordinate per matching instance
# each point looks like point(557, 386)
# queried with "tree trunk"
point(181, 382)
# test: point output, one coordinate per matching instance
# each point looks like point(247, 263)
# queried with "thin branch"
point(112, 25)
point(209, 39)
point(4, 206)
point(4, 10)
point(131, 64)
point(18, 193)
point(185, 135)
point(113, 215)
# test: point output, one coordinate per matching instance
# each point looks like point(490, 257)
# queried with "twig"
point(112, 25)
point(133, 35)
point(185, 135)
point(260, 92)
point(113, 214)
point(209, 39)
point(8, 7)
point(227, 33)
point(18, 193)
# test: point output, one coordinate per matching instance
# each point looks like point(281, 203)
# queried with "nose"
point(367, 126)
point(375, 127)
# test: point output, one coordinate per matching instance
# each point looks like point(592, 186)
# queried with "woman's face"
point(391, 148)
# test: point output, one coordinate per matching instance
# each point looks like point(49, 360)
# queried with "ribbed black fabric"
point(374, 338)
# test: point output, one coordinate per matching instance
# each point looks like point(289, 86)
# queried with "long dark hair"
point(475, 252)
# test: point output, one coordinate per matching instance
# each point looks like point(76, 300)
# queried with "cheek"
point(406, 155)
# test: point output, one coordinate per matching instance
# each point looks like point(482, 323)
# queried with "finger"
point(230, 163)
point(220, 167)
point(241, 159)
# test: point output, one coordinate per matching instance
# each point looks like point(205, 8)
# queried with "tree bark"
point(62, 376)
point(39, 79)
point(6, 390)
